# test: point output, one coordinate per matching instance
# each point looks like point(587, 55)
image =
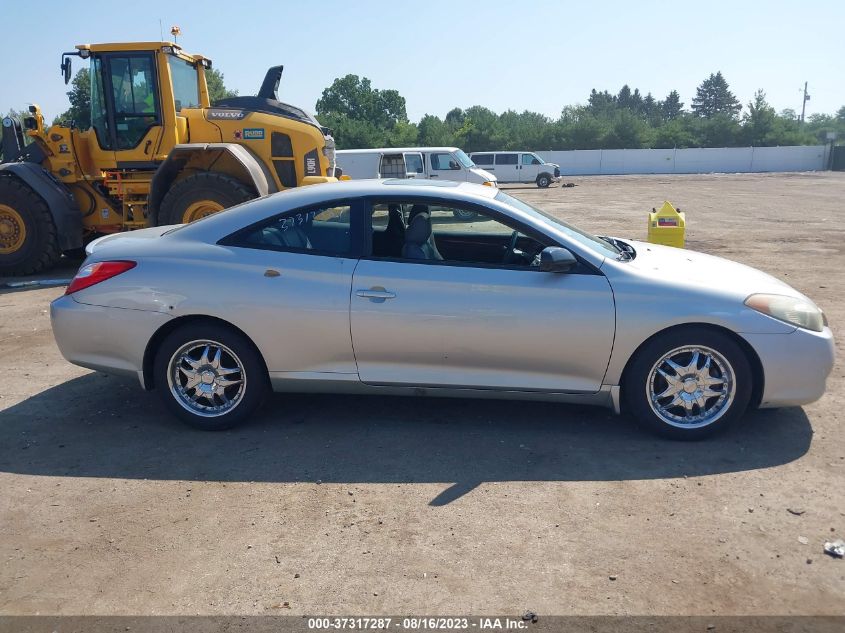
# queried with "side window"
point(444, 161)
point(99, 120)
point(482, 159)
point(506, 159)
point(530, 159)
point(321, 230)
point(456, 236)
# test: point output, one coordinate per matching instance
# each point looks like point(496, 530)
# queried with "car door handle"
point(377, 294)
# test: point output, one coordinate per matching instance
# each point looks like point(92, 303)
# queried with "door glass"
point(530, 159)
point(414, 163)
point(134, 96)
point(184, 77)
point(457, 236)
point(444, 161)
point(482, 159)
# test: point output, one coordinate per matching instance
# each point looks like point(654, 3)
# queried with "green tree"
point(434, 133)
point(217, 89)
point(79, 95)
point(361, 116)
point(758, 124)
point(720, 130)
point(673, 107)
point(354, 97)
point(714, 98)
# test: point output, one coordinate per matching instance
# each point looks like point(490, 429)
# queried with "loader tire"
point(28, 239)
point(200, 195)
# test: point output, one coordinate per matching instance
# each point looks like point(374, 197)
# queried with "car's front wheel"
point(210, 376)
point(543, 181)
point(688, 383)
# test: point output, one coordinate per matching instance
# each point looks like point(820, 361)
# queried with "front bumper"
point(795, 365)
point(111, 340)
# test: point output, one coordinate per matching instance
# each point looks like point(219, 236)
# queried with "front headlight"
point(789, 309)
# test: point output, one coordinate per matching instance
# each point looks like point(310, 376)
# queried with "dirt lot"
point(356, 505)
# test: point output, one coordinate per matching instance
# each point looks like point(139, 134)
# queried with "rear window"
point(506, 159)
point(482, 159)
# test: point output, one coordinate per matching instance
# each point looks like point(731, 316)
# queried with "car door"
point(414, 165)
point(469, 322)
point(529, 167)
point(444, 166)
point(507, 167)
point(288, 286)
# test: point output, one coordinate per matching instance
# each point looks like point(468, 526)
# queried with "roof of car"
point(396, 150)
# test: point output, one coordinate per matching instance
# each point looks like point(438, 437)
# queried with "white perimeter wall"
point(689, 161)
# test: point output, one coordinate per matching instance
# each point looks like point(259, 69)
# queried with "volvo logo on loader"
point(232, 115)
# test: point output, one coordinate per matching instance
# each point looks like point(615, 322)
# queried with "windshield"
point(591, 241)
point(463, 159)
point(185, 81)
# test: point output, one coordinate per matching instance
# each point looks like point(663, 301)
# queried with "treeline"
point(361, 116)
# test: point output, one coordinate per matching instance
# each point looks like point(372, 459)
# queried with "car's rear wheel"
point(688, 383)
point(210, 376)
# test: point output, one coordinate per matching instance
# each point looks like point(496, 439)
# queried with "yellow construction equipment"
point(155, 152)
point(667, 226)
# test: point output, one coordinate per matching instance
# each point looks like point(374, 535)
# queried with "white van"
point(439, 163)
point(518, 167)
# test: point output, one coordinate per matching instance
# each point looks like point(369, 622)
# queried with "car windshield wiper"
point(626, 251)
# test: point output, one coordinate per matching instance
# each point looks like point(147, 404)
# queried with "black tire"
point(543, 181)
point(253, 377)
point(39, 249)
point(215, 187)
point(638, 374)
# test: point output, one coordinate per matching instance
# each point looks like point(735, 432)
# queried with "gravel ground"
point(363, 505)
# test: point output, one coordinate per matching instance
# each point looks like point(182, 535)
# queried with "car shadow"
point(102, 426)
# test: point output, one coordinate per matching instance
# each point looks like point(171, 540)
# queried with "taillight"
point(97, 272)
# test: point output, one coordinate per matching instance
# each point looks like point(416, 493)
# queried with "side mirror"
point(556, 259)
point(536, 162)
point(453, 165)
point(66, 65)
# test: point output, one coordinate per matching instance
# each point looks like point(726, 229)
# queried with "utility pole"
point(804, 102)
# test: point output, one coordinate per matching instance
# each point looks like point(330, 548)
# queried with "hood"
point(129, 238)
point(483, 174)
point(691, 268)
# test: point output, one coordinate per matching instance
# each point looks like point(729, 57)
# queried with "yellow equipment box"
point(667, 226)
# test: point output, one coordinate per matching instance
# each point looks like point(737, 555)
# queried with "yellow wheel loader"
point(155, 152)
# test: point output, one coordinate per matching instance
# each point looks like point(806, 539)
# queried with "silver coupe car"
point(426, 288)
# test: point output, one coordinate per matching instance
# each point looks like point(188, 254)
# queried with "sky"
point(538, 56)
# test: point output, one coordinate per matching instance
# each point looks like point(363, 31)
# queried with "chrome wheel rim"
point(691, 387)
point(206, 378)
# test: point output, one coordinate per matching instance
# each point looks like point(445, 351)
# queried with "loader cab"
point(138, 92)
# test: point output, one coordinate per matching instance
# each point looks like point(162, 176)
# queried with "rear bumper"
point(795, 365)
point(111, 340)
